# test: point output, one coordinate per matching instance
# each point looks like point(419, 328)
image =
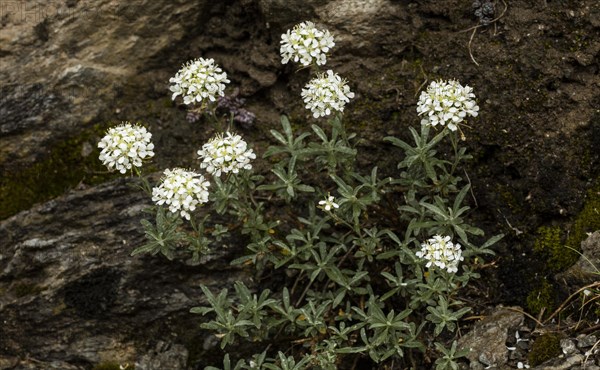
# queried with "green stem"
point(454, 141)
point(145, 184)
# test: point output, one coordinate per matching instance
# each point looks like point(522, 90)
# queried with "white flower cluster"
point(125, 145)
point(198, 80)
point(325, 93)
point(446, 104)
point(441, 252)
point(329, 203)
point(181, 190)
point(225, 153)
point(305, 43)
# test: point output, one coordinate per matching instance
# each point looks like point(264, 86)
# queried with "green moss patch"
point(559, 248)
point(545, 348)
point(68, 163)
point(588, 220)
point(551, 244)
point(542, 298)
point(25, 289)
point(113, 366)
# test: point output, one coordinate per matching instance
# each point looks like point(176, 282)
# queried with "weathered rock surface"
point(486, 342)
point(72, 296)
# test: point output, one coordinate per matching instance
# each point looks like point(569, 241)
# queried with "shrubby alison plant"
point(305, 44)
point(447, 104)
point(226, 153)
point(182, 191)
point(326, 93)
point(441, 252)
point(125, 146)
point(198, 81)
point(370, 269)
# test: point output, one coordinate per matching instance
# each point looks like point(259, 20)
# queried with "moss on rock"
point(68, 163)
point(588, 220)
point(113, 366)
point(25, 289)
point(561, 249)
point(544, 348)
point(542, 298)
point(550, 243)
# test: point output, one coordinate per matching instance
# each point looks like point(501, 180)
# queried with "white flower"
point(441, 252)
point(198, 80)
point(181, 190)
point(326, 93)
point(305, 43)
point(225, 153)
point(446, 104)
point(328, 203)
point(125, 145)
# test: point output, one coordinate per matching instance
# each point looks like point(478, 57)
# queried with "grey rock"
point(569, 363)
point(73, 295)
point(164, 356)
point(568, 346)
point(56, 89)
point(585, 341)
point(486, 342)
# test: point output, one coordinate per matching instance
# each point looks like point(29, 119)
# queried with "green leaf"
point(459, 198)
point(491, 241)
point(320, 133)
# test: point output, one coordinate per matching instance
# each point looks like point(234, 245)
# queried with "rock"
point(164, 356)
point(585, 341)
point(101, 63)
point(486, 342)
point(585, 270)
point(74, 297)
point(568, 346)
point(57, 87)
point(569, 363)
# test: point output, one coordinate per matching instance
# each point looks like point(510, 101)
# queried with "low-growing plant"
point(357, 285)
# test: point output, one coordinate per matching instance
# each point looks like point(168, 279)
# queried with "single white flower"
point(326, 93)
point(199, 80)
point(226, 153)
point(328, 203)
point(181, 190)
point(446, 104)
point(305, 44)
point(125, 146)
point(441, 252)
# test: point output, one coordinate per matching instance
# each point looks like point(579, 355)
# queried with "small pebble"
point(584, 341)
point(568, 346)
